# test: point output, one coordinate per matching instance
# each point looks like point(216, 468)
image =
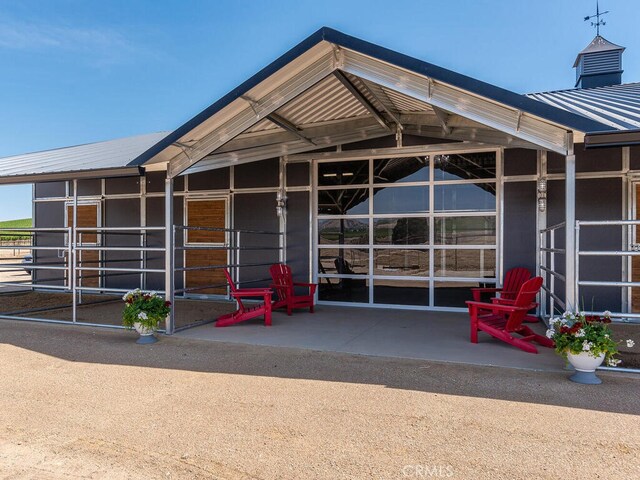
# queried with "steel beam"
point(169, 278)
point(455, 100)
point(289, 127)
point(283, 149)
point(443, 118)
point(395, 116)
point(479, 135)
point(363, 100)
point(237, 117)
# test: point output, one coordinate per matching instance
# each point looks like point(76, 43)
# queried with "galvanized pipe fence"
point(551, 296)
point(89, 260)
point(624, 256)
point(549, 262)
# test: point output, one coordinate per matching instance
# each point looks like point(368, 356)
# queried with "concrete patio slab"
point(437, 336)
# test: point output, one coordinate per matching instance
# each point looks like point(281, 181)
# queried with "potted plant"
point(143, 312)
point(585, 341)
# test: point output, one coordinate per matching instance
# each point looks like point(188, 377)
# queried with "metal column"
point(169, 243)
point(74, 250)
point(570, 230)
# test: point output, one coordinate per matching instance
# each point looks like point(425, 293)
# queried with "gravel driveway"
point(89, 403)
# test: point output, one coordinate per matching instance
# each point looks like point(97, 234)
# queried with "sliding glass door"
point(412, 231)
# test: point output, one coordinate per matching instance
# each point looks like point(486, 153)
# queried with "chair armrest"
point(504, 301)
point(486, 290)
point(477, 292)
point(251, 293)
point(496, 307)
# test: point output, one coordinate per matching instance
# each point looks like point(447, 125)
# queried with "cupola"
point(599, 64)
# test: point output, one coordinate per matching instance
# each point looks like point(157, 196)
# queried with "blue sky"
point(78, 71)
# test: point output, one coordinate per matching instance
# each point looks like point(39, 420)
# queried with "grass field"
point(11, 235)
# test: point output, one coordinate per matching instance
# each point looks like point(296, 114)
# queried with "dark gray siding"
point(520, 161)
point(298, 174)
point(50, 189)
point(298, 248)
point(210, 180)
point(520, 229)
point(257, 175)
point(257, 211)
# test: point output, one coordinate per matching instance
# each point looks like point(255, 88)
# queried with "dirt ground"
point(102, 309)
point(90, 403)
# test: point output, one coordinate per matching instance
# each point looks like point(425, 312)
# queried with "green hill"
point(10, 235)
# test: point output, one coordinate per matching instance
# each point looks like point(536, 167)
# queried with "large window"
point(416, 231)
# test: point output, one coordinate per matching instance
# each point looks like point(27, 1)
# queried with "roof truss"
point(436, 108)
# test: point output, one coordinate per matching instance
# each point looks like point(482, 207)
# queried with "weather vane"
point(597, 16)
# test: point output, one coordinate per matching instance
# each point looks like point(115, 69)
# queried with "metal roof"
point(90, 157)
point(328, 90)
point(617, 106)
point(597, 45)
point(298, 72)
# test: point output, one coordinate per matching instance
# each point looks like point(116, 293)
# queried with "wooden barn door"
point(209, 213)
point(88, 216)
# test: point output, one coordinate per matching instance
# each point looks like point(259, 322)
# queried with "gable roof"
point(382, 56)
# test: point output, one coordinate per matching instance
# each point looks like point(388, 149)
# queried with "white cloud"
point(100, 45)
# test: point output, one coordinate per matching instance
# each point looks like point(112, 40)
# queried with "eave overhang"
point(292, 83)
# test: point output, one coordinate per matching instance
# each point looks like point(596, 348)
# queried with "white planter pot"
point(146, 334)
point(585, 365)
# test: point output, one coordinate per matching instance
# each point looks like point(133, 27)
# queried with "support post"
point(169, 257)
point(570, 225)
point(541, 220)
point(74, 249)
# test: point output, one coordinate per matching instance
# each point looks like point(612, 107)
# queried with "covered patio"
point(434, 336)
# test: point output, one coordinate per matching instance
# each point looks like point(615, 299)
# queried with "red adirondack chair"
point(504, 321)
point(284, 287)
point(513, 280)
point(245, 313)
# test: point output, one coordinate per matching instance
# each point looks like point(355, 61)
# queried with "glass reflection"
point(343, 290)
point(466, 166)
point(343, 173)
point(465, 263)
point(400, 292)
point(465, 230)
point(343, 231)
point(344, 261)
point(401, 262)
point(467, 196)
point(400, 170)
point(401, 231)
point(454, 294)
point(353, 201)
point(401, 200)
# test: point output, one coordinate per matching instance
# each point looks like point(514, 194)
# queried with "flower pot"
point(147, 335)
point(585, 364)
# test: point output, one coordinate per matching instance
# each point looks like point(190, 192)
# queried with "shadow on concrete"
point(618, 393)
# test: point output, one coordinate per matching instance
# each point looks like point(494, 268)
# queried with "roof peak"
point(598, 44)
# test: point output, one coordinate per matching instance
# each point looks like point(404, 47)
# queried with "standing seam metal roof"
point(617, 106)
point(111, 154)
